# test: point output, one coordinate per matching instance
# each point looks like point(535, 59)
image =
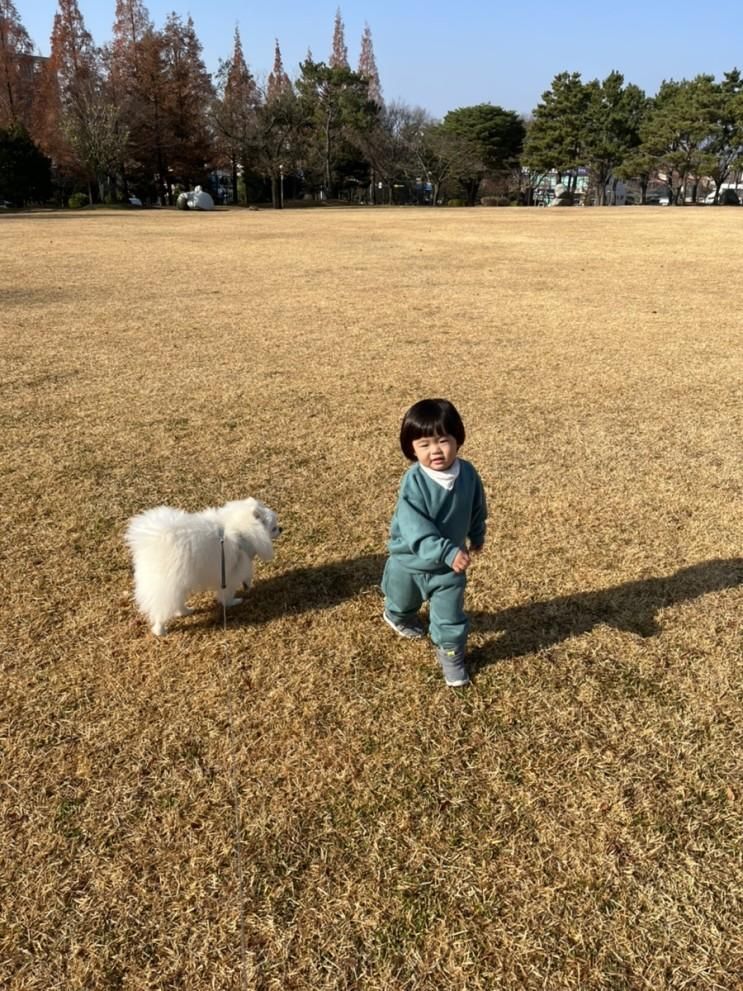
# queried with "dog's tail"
point(153, 526)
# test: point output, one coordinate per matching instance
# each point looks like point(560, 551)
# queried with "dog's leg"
point(224, 598)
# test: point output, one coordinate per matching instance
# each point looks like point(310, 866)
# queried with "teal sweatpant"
point(405, 591)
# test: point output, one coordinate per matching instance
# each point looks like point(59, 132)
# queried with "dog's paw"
point(233, 602)
point(185, 611)
point(159, 629)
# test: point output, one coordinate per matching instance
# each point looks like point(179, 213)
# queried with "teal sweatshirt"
point(430, 524)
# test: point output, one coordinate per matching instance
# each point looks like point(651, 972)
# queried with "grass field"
point(573, 820)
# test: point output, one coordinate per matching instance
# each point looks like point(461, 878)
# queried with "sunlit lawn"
point(570, 822)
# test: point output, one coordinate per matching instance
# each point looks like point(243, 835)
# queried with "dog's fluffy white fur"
point(176, 554)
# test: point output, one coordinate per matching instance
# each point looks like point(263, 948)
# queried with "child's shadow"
point(632, 606)
point(309, 588)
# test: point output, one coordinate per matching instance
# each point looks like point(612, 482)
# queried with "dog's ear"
point(260, 540)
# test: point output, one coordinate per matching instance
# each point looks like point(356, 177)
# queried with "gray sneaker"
point(411, 629)
point(452, 664)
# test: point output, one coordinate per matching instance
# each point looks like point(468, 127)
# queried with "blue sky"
point(443, 55)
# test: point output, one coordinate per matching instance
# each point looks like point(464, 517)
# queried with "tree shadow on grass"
point(632, 607)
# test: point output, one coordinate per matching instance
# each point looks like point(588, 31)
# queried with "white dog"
point(177, 553)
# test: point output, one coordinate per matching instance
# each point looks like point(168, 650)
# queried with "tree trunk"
point(327, 156)
point(600, 190)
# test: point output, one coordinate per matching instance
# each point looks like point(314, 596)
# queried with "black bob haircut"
point(430, 418)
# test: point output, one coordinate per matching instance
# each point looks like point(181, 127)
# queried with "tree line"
point(142, 116)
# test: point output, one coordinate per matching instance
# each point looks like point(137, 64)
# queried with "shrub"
point(455, 203)
point(77, 201)
point(25, 174)
point(495, 201)
point(729, 198)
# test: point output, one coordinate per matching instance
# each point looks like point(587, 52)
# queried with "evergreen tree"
point(557, 132)
point(335, 102)
point(614, 114)
point(680, 131)
point(638, 164)
point(490, 141)
point(25, 173)
point(726, 142)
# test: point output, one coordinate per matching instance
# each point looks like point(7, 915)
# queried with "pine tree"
point(336, 106)
point(613, 117)
point(368, 67)
point(727, 142)
point(16, 68)
point(680, 132)
point(339, 54)
point(557, 133)
point(487, 142)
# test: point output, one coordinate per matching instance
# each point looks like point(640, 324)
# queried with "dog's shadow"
point(632, 606)
point(308, 589)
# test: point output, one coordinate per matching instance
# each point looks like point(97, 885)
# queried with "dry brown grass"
point(572, 821)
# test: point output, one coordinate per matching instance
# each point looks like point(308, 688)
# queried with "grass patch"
point(572, 822)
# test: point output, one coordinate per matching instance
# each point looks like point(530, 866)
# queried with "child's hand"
point(461, 562)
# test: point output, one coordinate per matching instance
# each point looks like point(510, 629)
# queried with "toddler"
point(441, 504)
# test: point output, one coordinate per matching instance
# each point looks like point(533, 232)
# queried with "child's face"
point(436, 452)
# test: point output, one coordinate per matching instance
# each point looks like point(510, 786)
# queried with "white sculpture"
point(195, 200)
